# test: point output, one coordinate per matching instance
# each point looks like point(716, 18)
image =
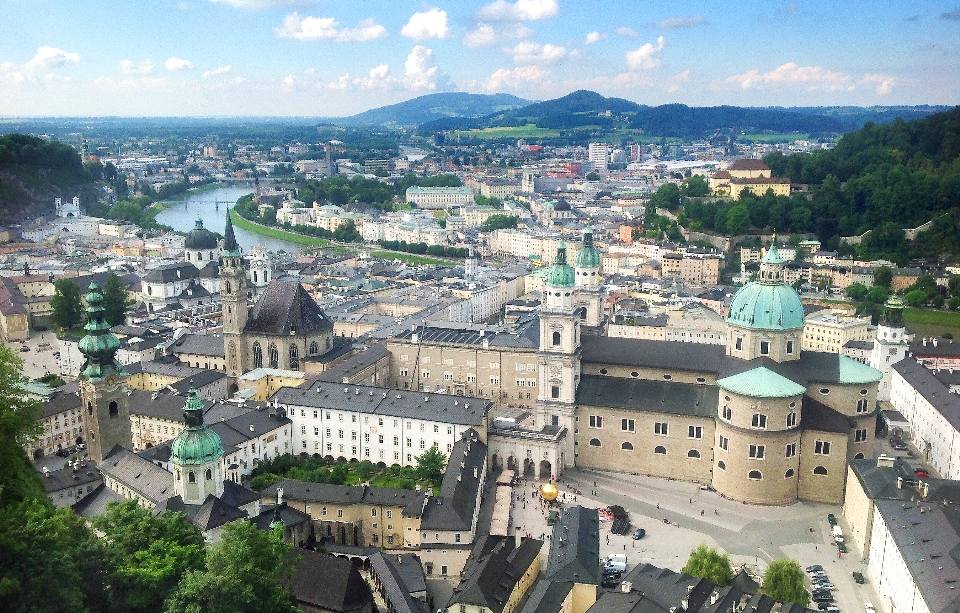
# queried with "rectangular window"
point(425, 374)
point(727, 413)
point(660, 428)
point(759, 420)
point(739, 343)
point(756, 451)
point(694, 431)
point(791, 450)
point(628, 425)
point(555, 391)
point(596, 421)
point(862, 405)
point(339, 512)
point(404, 372)
point(316, 431)
point(789, 347)
point(443, 572)
point(764, 347)
point(494, 380)
point(396, 440)
point(822, 447)
point(861, 435)
point(724, 441)
point(409, 442)
point(389, 514)
point(327, 431)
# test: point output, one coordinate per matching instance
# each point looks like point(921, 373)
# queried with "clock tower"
point(233, 298)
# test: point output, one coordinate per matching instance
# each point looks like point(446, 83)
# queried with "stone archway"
point(529, 468)
point(497, 464)
point(546, 470)
point(512, 464)
point(37, 454)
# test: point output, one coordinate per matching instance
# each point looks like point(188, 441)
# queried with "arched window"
point(177, 473)
point(89, 408)
point(228, 287)
point(859, 456)
point(257, 356)
point(756, 475)
point(788, 474)
point(313, 348)
point(660, 449)
point(273, 356)
point(149, 290)
point(722, 465)
point(556, 339)
point(594, 442)
point(209, 474)
point(693, 453)
point(294, 358)
point(820, 470)
point(254, 276)
point(191, 477)
point(114, 410)
point(627, 446)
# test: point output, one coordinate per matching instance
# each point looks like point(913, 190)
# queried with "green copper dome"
point(99, 347)
point(764, 306)
point(196, 444)
point(561, 274)
point(588, 256)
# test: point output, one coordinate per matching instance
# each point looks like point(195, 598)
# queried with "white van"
point(615, 562)
point(838, 534)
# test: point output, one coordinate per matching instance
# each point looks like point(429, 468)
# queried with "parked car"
point(823, 597)
point(611, 579)
point(869, 607)
point(639, 533)
point(824, 585)
point(814, 568)
point(832, 519)
point(900, 447)
point(921, 474)
point(828, 606)
point(842, 547)
point(858, 577)
point(24, 349)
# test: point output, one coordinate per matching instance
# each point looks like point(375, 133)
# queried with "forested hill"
point(433, 106)
point(33, 172)
point(886, 177)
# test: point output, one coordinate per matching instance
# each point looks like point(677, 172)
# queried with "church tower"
point(103, 390)
point(196, 456)
point(233, 298)
point(559, 354)
point(588, 284)
point(890, 346)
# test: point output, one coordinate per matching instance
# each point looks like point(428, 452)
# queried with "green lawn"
point(931, 317)
point(774, 138)
point(293, 237)
point(528, 131)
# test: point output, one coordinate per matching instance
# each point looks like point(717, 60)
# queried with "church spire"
point(230, 246)
point(99, 346)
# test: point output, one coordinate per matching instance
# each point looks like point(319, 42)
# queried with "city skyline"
point(334, 58)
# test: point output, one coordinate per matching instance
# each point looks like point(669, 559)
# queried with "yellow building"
point(747, 174)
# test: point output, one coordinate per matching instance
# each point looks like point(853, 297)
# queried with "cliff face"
point(28, 193)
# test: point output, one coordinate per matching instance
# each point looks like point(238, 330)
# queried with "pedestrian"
point(715, 512)
point(691, 501)
point(608, 539)
point(658, 506)
point(701, 512)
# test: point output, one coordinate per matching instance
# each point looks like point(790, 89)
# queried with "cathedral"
point(758, 419)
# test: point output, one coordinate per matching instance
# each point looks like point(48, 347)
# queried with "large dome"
point(588, 256)
point(200, 238)
point(196, 444)
point(766, 306)
point(561, 274)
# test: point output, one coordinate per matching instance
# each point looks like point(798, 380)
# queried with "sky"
point(332, 58)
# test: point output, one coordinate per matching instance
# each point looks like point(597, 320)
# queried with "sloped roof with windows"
point(285, 308)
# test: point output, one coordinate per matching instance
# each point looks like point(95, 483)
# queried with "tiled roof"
point(199, 344)
point(328, 583)
point(454, 508)
point(748, 164)
point(648, 395)
point(286, 307)
point(138, 474)
point(575, 551)
point(67, 477)
point(304, 491)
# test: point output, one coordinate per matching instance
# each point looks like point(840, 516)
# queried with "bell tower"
point(233, 298)
point(103, 389)
point(890, 346)
point(587, 268)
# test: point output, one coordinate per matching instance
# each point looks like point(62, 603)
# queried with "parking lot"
point(43, 355)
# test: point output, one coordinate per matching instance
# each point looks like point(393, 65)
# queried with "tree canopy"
point(498, 222)
point(115, 301)
point(783, 581)
point(708, 563)
point(431, 464)
point(66, 303)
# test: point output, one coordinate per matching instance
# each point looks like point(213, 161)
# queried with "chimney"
point(626, 586)
point(885, 461)
point(414, 338)
point(924, 489)
point(714, 596)
point(684, 603)
point(517, 537)
point(899, 483)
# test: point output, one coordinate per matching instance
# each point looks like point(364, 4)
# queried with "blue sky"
point(337, 57)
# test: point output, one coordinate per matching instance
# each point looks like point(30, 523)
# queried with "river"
point(212, 208)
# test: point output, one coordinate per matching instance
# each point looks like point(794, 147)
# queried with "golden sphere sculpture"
point(549, 492)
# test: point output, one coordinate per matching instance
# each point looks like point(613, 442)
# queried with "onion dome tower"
point(587, 270)
point(891, 345)
point(103, 390)
point(766, 316)
point(201, 245)
point(196, 456)
point(233, 297)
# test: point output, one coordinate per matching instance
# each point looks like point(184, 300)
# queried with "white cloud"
point(263, 5)
point(288, 83)
point(378, 78)
point(677, 80)
point(529, 52)
point(884, 83)
point(594, 37)
point(485, 35)
point(432, 24)
point(683, 22)
point(176, 63)
point(791, 74)
point(327, 28)
point(131, 67)
point(518, 78)
point(626, 32)
point(521, 10)
point(420, 69)
point(219, 70)
point(342, 83)
point(647, 56)
point(51, 57)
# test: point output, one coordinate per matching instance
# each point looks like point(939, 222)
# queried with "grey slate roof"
point(213, 513)
point(64, 398)
point(95, 503)
point(814, 415)
point(355, 363)
point(325, 582)
point(386, 401)
point(943, 348)
point(525, 334)
point(491, 574)
point(168, 273)
point(653, 354)
point(454, 508)
point(410, 500)
point(199, 344)
point(931, 389)
point(140, 475)
point(575, 548)
point(199, 380)
point(400, 576)
point(547, 597)
point(648, 395)
point(288, 515)
point(284, 306)
point(66, 477)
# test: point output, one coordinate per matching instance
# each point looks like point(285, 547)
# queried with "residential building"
point(439, 198)
point(497, 576)
point(829, 331)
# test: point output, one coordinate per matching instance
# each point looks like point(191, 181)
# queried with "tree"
point(783, 581)
point(916, 298)
point(148, 554)
point(245, 572)
point(592, 176)
point(953, 283)
point(878, 294)
point(18, 426)
point(498, 222)
point(431, 464)
point(738, 220)
point(115, 301)
point(668, 197)
point(696, 186)
point(883, 276)
point(856, 291)
point(708, 563)
point(66, 304)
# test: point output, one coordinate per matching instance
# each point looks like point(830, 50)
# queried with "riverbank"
point(193, 191)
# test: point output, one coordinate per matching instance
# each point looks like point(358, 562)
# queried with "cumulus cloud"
point(485, 35)
point(131, 67)
point(219, 70)
point(432, 24)
point(521, 10)
point(529, 52)
point(288, 83)
point(176, 63)
point(341, 83)
point(263, 5)
point(327, 28)
point(682, 22)
point(379, 77)
point(420, 71)
point(626, 32)
point(647, 57)
point(46, 59)
point(953, 15)
point(518, 78)
point(594, 37)
point(884, 83)
point(677, 81)
point(792, 74)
